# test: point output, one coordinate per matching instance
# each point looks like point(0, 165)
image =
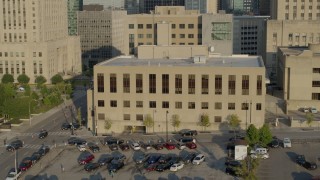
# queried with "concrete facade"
point(299, 76)
point(296, 33)
point(127, 90)
point(34, 40)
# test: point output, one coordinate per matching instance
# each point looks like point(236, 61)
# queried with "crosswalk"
point(32, 146)
point(58, 133)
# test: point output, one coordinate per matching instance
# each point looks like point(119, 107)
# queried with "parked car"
point(135, 146)
point(304, 109)
point(124, 146)
point(141, 158)
point(13, 174)
point(169, 145)
point(14, 145)
point(164, 159)
point(188, 158)
point(153, 158)
point(151, 167)
point(66, 126)
point(286, 143)
point(25, 165)
point(189, 133)
point(158, 146)
point(191, 145)
point(233, 163)
point(110, 140)
point(198, 159)
point(42, 134)
point(43, 150)
point(232, 171)
point(105, 160)
point(177, 166)
point(86, 158)
point(76, 141)
point(120, 157)
point(262, 156)
point(174, 160)
point(91, 166)
point(146, 146)
point(181, 146)
point(81, 148)
point(300, 159)
point(114, 166)
point(313, 110)
point(275, 143)
point(163, 167)
point(75, 126)
point(187, 139)
point(35, 157)
point(113, 147)
point(93, 147)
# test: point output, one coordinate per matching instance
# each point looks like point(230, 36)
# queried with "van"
point(286, 142)
point(259, 151)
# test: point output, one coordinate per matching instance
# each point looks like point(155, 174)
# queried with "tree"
point(27, 90)
point(148, 121)
point(252, 134)
point(23, 79)
point(79, 115)
point(234, 122)
point(265, 135)
point(56, 79)
point(175, 121)
point(310, 118)
point(40, 80)
point(204, 121)
point(7, 78)
point(107, 124)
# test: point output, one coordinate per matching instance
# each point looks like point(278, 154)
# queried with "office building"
point(203, 6)
point(128, 89)
point(264, 7)
point(34, 40)
point(146, 6)
point(299, 76)
point(107, 4)
point(132, 6)
point(73, 7)
point(240, 7)
point(249, 34)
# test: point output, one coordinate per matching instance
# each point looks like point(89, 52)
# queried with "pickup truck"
point(12, 175)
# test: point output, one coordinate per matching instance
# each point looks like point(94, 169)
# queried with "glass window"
point(139, 84)
point(113, 103)
point(139, 104)
point(204, 105)
point(149, 26)
point(258, 106)
point(152, 83)
point(152, 104)
point(190, 26)
point(126, 83)
point(191, 105)
point(231, 106)
point(191, 83)
point(245, 85)
point(218, 105)
point(139, 117)
point(165, 104)
point(131, 26)
point(232, 85)
point(217, 119)
point(221, 31)
point(218, 84)
point(100, 82)
point(140, 26)
point(126, 117)
point(205, 84)
point(181, 26)
point(165, 83)
point(178, 105)
point(100, 103)
point(126, 104)
point(113, 83)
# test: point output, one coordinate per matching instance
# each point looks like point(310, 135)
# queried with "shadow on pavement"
point(292, 156)
point(301, 175)
point(41, 177)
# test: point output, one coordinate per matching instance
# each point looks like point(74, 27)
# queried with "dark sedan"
point(114, 166)
point(91, 166)
point(141, 158)
point(153, 159)
point(275, 143)
point(174, 159)
point(65, 126)
point(93, 147)
point(14, 145)
point(76, 141)
point(113, 147)
point(43, 134)
point(233, 163)
point(35, 157)
point(124, 146)
point(164, 159)
point(43, 150)
point(188, 157)
point(163, 167)
point(105, 160)
point(158, 146)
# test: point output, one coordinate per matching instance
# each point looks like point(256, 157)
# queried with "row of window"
point(19, 54)
point(173, 26)
point(178, 83)
point(178, 105)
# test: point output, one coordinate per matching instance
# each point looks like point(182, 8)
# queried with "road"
point(28, 134)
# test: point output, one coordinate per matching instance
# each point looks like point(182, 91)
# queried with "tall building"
point(264, 7)
point(73, 7)
point(118, 4)
point(132, 6)
point(249, 34)
point(295, 9)
point(34, 40)
point(240, 7)
point(146, 6)
point(203, 6)
point(129, 89)
point(102, 35)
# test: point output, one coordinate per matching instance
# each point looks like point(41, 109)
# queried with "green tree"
point(7, 78)
point(44, 90)
point(234, 122)
point(34, 96)
point(175, 121)
point(23, 79)
point(252, 134)
point(204, 121)
point(310, 118)
point(40, 80)
point(56, 79)
point(27, 90)
point(107, 124)
point(79, 115)
point(148, 121)
point(265, 135)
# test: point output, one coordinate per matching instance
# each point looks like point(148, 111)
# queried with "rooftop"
point(293, 50)
point(219, 61)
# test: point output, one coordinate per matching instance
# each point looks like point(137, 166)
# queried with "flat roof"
point(293, 50)
point(220, 61)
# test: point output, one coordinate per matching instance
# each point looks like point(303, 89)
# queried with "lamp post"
point(96, 122)
point(247, 115)
point(167, 112)
point(154, 111)
point(250, 110)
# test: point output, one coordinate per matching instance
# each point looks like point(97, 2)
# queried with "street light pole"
point(250, 110)
point(167, 125)
point(246, 115)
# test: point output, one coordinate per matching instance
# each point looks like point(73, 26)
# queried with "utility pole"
point(250, 110)
point(167, 112)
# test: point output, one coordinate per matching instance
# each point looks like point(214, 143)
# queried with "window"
point(126, 83)
point(113, 103)
point(244, 106)
point(218, 105)
point(149, 36)
point(40, 54)
point(173, 26)
point(140, 26)
point(232, 85)
point(316, 70)
point(139, 117)
point(100, 103)
point(221, 31)
point(100, 81)
point(218, 84)
point(173, 35)
point(139, 83)
point(131, 26)
point(140, 36)
point(178, 105)
point(205, 84)
point(259, 85)
point(315, 96)
point(258, 106)
point(181, 26)
point(190, 26)
point(165, 104)
point(34, 54)
point(190, 36)
point(165, 83)
point(315, 83)
point(149, 26)
point(126, 104)
point(126, 117)
point(182, 35)
point(217, 119)
point(101, 116)
point(152, 83)
point(231, 106)
point(139, 104)
point(191, 84)
point(204, 105)
point(113, 83)
point(152, 104)
point(191, 105)
point(199, 26)
point(245, 85)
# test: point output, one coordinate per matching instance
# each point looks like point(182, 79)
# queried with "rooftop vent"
point(199, 59)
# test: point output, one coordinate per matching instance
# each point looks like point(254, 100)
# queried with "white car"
point(13, 175)
point(286, 142)
point(198, 159)
point(181, 146)
point(313, 110)
point(81, 148)
point(177, 166)
point(135, 146)
point(262, 156)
